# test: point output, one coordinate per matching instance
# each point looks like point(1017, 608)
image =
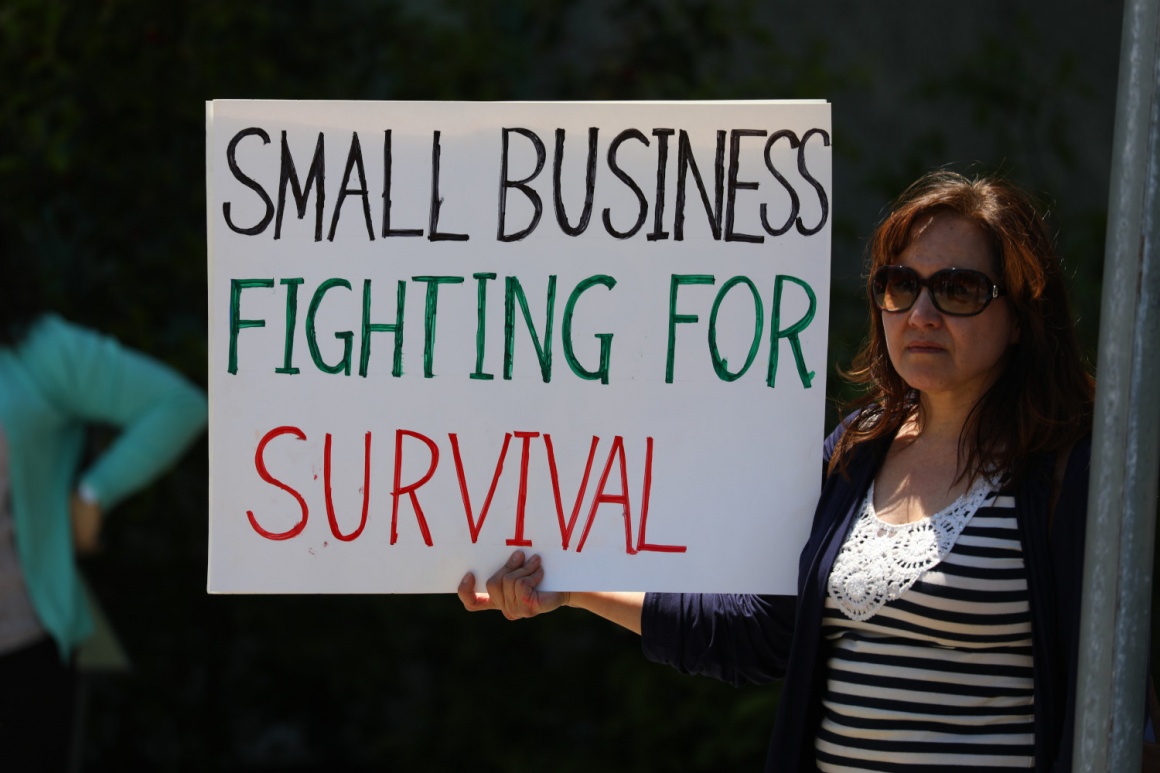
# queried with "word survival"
point(615, 466)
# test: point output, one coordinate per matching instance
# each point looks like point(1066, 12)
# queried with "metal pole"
point(1114, 636)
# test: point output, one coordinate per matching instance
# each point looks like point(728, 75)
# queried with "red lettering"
point(472, 526)
point(518, 540)
point(366, 491)
point(409, 489)
point(566, 531)
point(616, 456)
point(260, 464)
point(617, 453)
point(641, 544)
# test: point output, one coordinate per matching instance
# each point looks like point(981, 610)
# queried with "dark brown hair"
point(1042, 401)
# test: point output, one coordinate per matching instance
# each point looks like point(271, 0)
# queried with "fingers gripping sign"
point(512, 590)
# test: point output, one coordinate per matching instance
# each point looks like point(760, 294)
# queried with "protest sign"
point(443, 331)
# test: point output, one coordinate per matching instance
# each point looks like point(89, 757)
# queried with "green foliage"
point(102, 167)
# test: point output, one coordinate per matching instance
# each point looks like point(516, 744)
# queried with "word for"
point(514, 295)
point(410, 490)
point(720, 204)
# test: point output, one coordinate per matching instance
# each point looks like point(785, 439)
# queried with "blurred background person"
point(56, 379)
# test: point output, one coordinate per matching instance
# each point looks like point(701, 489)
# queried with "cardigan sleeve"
point(91, 378)
point(738, 639)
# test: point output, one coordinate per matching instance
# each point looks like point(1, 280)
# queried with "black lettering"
point(354, 162)
point(387, 163)
point(662, 136)
point(686, 163)
point(433, 233)
point(621, 175)
point(289, 174)
point(231, 159)
point(505, 183)
point(735, 185)
point(794, 202)
point(589, 184)
point(823, 200)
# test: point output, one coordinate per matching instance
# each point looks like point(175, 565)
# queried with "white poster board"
point(442, 331)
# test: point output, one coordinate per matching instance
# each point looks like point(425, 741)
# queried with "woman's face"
point(940, 355)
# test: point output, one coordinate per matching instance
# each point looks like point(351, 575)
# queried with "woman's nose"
point(923, 313)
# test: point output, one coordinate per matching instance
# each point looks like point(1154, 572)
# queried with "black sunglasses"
point(959, 292)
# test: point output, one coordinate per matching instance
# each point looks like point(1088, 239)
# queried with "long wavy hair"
point(1042, 400)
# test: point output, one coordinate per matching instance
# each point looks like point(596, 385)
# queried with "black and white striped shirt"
point(941, 676)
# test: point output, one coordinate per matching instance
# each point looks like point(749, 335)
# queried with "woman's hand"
point(86, 525)
point(512, 590)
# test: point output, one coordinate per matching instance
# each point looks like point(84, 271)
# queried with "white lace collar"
point(879, 561)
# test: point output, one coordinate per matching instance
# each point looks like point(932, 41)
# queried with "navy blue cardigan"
point(758, 639)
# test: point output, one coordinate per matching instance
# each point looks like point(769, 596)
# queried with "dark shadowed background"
point(102, 168)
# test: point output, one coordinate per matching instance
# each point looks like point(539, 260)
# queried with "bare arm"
point(513, 590)
point(624, 609)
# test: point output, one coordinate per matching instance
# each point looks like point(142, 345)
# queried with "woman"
point(55, 378)
point(937, 614)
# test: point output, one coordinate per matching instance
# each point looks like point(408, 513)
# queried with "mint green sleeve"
point(92, 379)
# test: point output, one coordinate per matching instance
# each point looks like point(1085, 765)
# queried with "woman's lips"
point(924, 347)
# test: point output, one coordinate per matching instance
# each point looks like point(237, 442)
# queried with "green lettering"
point(790, 332)
point(515, 292)
point(236, 322)
point(396, 328)
point(605, 338)
point(480, 324)
point(429, 314)
point(719, 363)
point(345, 336)
point(291, 319)
point(674, 318)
